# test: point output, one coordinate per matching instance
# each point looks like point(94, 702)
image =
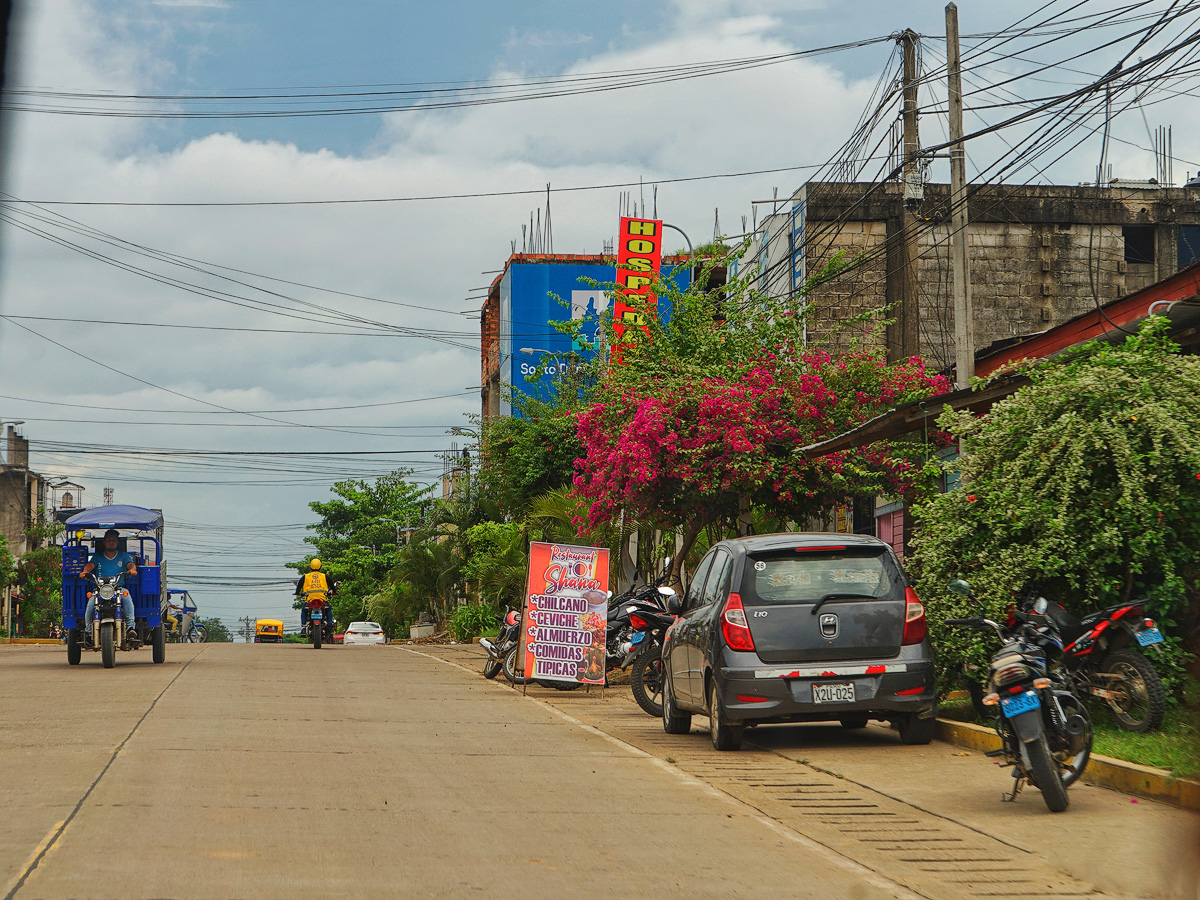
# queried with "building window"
point(1139, 243)
point(1189, 245)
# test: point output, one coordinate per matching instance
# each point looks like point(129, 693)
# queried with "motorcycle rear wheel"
point(646, 679)
point(108, 651)
point(1140, 702)
point(1045, 775)
point(317, 629)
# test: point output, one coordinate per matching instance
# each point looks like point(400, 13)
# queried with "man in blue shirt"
point(106, 563)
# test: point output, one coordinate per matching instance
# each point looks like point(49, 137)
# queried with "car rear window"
point(805, 576)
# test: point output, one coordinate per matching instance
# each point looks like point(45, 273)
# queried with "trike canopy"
point(116, 516)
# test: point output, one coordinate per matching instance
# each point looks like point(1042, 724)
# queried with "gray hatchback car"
point(798, 627)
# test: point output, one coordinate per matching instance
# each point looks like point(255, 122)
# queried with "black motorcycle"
point(506, 641)
point(1046, 731)
point(646, 672)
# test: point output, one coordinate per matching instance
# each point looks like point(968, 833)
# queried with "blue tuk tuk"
point(141, 533)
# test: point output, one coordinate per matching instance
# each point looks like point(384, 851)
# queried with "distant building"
point(514, 327)
point(1040, 255)
point(22, 493)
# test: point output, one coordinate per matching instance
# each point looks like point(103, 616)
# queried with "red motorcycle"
point(1102, 657)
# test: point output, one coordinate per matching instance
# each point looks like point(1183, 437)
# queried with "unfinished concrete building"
point(1040, 255)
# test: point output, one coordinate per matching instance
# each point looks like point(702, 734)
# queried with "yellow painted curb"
point(31, 641)
point(1130, 778)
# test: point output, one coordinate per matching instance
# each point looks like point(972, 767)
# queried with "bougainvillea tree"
point(1086, 484)
point(707, 413)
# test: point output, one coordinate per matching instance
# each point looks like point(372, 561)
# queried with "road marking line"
point(866, 874)
point(33, 857)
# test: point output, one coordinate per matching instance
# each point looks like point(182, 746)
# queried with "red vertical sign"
point(639, 258)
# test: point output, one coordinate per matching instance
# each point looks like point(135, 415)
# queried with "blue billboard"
point(527, 307)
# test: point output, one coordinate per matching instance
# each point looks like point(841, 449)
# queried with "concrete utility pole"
point(960, 254)
point(247, 628)
point(905, 339)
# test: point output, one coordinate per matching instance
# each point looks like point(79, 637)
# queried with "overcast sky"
point(361, 385)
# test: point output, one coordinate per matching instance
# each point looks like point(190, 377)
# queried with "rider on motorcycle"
point(107, 563)
point(315, 588)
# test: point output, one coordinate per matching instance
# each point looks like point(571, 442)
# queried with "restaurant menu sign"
point(566, 613)
point(639, 259)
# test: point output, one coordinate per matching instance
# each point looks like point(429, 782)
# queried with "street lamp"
point(529, 351)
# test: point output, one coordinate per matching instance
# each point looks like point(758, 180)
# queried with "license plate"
point(638, 637)
point(833, 693)
point(1014, 706)
point(316, 617)
point(1148, 636)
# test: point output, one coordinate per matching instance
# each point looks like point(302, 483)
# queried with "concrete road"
point(257, 771)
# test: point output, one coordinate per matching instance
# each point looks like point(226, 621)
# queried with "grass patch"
point(1175, 747)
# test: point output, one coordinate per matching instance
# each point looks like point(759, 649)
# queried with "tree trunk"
point(689, 539)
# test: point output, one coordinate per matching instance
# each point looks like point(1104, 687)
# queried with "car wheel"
point(855, 721)
point(725, 736)
point(916, 731)
point(674, 721)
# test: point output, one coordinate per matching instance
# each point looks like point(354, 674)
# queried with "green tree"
point(217, 632)
point(1086, 484)
point(360, 536)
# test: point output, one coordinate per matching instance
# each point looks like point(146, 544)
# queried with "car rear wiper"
point(840, 596)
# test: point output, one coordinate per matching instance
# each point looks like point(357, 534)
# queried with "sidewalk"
point(1124, 845)
point(1117, 774)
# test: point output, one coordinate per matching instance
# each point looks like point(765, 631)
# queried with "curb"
point(1127, 777)
point(31, 641)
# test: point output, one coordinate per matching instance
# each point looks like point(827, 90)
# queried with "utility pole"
point(960, 254)
point(905, 338)
point(247, 628)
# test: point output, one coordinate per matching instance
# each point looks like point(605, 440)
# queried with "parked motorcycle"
point(506, 640)
point(646, 672)
point(1046, 730)
point(1101, 654)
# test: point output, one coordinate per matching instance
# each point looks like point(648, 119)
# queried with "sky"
point(347, 328)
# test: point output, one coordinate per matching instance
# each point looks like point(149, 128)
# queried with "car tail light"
point(914, 618)
point(638, 622)
point(734, 628)
point(746, 698)
point(910, 691)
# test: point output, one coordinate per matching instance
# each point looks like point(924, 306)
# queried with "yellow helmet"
point(315, 564)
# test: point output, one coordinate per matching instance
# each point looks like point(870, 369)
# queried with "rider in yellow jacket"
point(314, 588)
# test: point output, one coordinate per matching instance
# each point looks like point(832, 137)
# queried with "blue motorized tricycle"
point(140, 536)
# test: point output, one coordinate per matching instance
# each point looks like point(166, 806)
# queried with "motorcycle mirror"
point(960, 587)
point(666, 591)
point(667, 564)
point(673, 606)
point(1040, 605)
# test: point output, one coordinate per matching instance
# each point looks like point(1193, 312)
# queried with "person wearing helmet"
point(315, 589)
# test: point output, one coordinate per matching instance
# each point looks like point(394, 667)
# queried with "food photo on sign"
point(566, 613)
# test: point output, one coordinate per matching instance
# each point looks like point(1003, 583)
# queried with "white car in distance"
point(364, 633)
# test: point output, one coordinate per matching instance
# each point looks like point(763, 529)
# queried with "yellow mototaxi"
point(268, 631)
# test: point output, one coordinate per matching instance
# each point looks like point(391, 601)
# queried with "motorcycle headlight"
point(107, 592)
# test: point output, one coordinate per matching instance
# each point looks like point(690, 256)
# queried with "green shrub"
point(470, 620)
point(1085, 484)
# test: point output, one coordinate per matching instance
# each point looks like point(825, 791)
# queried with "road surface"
point(264, 771)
